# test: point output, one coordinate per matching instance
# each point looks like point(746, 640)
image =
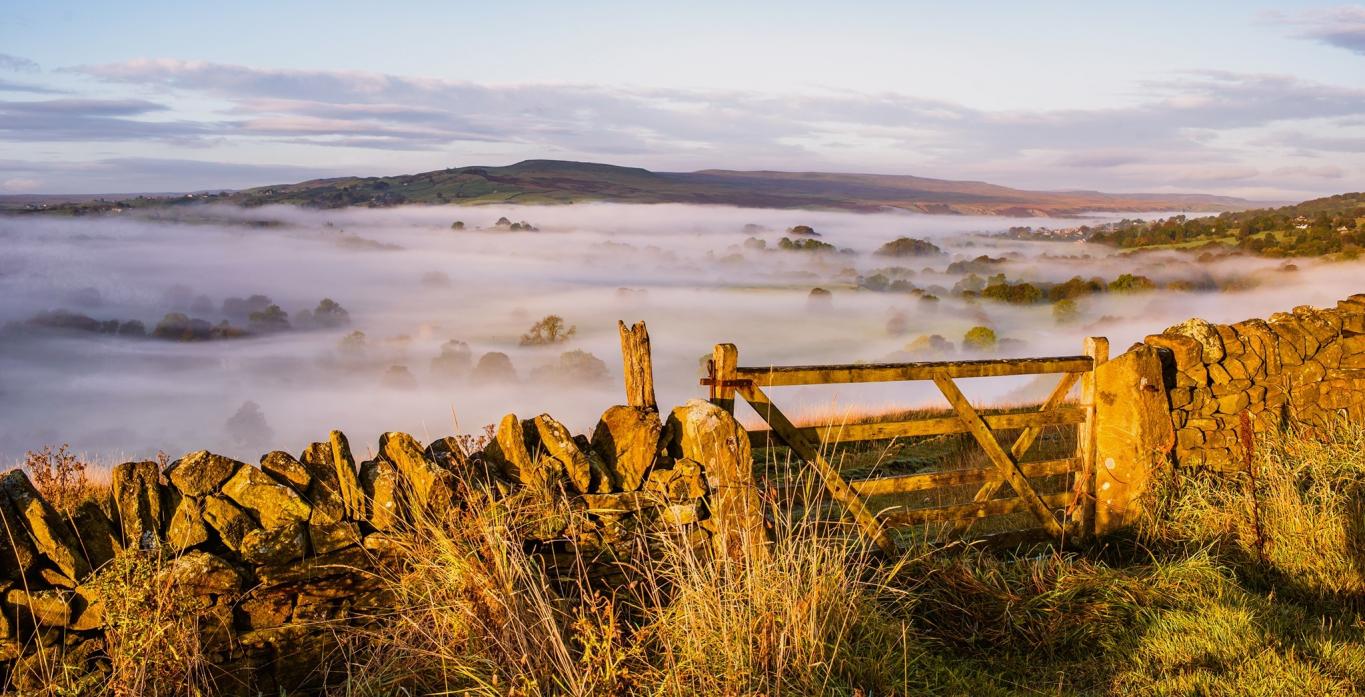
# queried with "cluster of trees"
point(805, 245)
point(909, 247)
point(1000, 289)
point(1330, 225)
point(257, 312)
point(523, 226)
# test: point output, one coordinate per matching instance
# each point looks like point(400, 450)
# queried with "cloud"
point(17, 64)
point(150, 175)
point(1342, 27)
point(1187, 127)
point(68, 120)
point(1319, 172)
point(8, 86)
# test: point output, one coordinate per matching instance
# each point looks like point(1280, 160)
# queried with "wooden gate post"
point(638, 366)
point(724, 359)
point(1083, 507)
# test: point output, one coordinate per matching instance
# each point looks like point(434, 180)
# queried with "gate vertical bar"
point(1083, 515)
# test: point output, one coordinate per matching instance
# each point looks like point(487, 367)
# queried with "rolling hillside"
point(560, 182)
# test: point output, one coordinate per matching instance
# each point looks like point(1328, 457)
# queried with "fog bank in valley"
point(127, 334)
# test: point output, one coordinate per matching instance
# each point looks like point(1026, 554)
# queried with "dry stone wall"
point(1304, 368)
point(274, 561)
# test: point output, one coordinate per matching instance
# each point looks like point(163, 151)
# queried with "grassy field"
point(1225, 589)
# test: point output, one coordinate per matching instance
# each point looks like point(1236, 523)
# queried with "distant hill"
point(559, 182)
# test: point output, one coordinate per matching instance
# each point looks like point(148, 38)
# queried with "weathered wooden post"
point(724, 360)
point(638, 366)
point(1097, 348)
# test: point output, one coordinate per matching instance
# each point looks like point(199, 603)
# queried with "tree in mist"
point(549, 330)
point(493, 367)
point(398, 377)
point(268, 321)
point(1131, 283)
point(457, 225)
point(802, 230)
point(573, 368)
point(454, 361)
point(980, 339)
point(327, 315)
point(178, 326)
point(819, 299)
point(241, 308)
point(930, 346)
point(908, 247)
point(898, 324)
point(1065, 311)
point(248, 428)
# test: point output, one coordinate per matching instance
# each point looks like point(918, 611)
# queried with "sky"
point(1254, 99)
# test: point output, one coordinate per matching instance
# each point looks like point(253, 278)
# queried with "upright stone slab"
point(95, 533)
point(18, 555)
point(324, 489)
point(712, 437)
point(1133, 434)
point(348, 482)
point(138, 503)
point(51, 533)
point(556, 442)
point(627, 438)
point(432, 487)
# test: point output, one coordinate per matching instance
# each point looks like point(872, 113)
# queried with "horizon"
point(1262, 101)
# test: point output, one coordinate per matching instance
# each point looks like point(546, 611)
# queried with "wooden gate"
point(1008, 463)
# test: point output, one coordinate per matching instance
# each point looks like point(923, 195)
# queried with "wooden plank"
point(638, 366)
point(1027, 438)
point(723, 360)
point(835, 484)
point(1009, 468)
point(904, 484)
point(933, 426)
point(1083, 516)
point(775, 376)
point(973, 510)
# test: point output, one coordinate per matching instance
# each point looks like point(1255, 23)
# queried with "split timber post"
point(638, 366)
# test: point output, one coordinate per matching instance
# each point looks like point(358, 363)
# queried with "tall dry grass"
point(1194, 603)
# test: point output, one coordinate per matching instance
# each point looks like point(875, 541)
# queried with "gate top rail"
point(778, 376)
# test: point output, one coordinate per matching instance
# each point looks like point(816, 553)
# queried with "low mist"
point(127, 334)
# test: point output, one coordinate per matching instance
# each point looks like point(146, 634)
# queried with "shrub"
point(59, 476)
point(980, 339)
point(1066, 311)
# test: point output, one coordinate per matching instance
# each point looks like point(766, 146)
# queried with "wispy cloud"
point(17, 64)
point(1343, 27)
point(65, 120)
